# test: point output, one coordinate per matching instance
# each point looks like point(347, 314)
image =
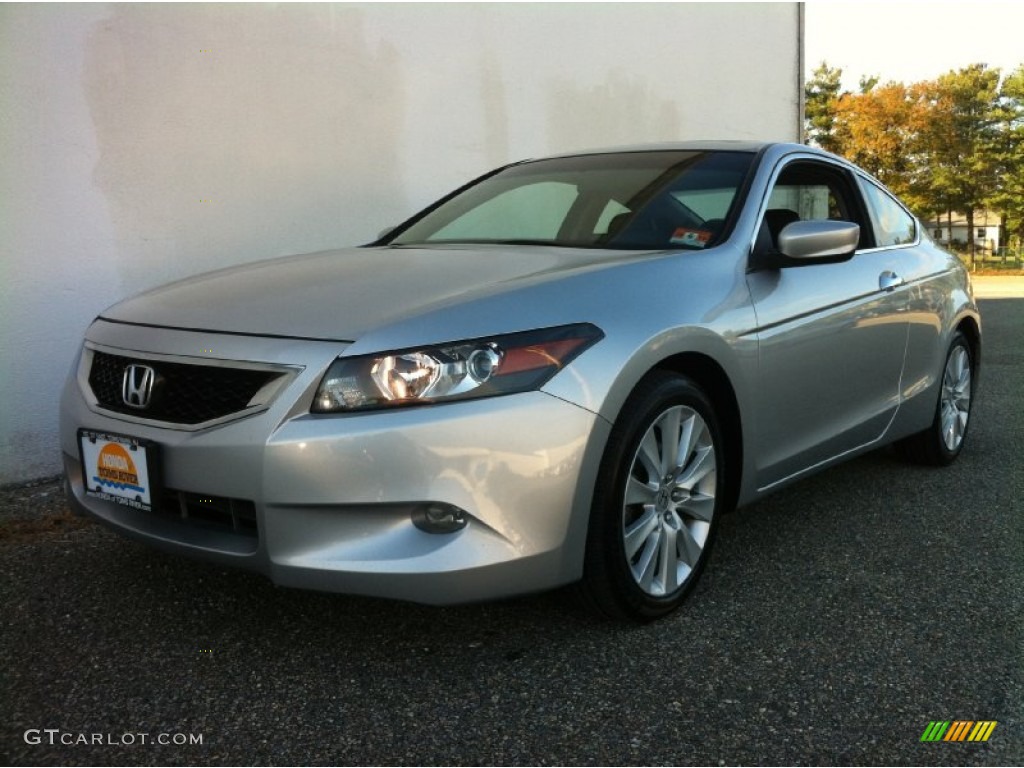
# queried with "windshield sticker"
point(694, 238)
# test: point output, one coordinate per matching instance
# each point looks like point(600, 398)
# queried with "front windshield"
point(631, 200)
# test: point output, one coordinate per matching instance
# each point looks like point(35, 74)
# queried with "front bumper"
point(332, 495)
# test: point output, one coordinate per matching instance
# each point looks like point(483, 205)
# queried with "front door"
point(832, 337)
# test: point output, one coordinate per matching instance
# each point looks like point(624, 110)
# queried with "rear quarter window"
point(891, 222)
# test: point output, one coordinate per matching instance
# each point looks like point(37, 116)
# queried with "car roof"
point(704, 145)
point(772, 149)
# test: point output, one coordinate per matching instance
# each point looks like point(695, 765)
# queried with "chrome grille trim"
point(279, 377)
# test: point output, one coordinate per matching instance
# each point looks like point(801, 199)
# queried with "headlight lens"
point(481, 368)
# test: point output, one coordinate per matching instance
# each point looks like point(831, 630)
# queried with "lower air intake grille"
point(236, 516)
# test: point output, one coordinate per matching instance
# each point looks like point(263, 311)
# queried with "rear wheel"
point(657, 501)
point(942, 442)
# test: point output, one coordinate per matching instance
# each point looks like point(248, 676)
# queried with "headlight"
point(498, 365)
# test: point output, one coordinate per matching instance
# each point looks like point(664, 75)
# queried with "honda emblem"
point(137, 386)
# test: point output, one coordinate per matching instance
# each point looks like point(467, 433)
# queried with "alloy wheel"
point(669, 501)
point(955, 402)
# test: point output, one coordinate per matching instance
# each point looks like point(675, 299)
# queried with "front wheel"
point(657, 501)
point(942, 442)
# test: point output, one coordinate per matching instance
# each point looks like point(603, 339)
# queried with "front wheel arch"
point(710, 377)
point(613, 581)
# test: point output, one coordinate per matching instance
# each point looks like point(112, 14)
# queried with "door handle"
point(889, 281)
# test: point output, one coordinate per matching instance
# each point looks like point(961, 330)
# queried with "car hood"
point(342, 294)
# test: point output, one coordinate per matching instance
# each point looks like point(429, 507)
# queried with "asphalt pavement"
point(836, 620)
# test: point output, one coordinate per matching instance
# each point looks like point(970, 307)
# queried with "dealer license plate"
point(118, 468)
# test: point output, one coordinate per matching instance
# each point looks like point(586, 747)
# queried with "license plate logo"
point(117, 469)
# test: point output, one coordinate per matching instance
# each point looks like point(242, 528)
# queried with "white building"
point(985, 231)
point(145, 142)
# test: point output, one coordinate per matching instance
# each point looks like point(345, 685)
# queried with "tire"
point(655, 509)
point(943, 440)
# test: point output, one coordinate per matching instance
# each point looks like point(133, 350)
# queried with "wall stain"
point(614, 112)
point(229, 133)
point(492, 95)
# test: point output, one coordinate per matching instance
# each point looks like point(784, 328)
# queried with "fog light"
point(439, 518)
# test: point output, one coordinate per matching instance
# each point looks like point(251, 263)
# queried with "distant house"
point(985, 234)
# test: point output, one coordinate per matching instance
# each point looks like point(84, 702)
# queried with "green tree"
point(957, 140)
point(1007, 197)
point(867, 82)
point(821, 95)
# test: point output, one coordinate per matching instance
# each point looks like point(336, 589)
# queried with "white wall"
point(141, 143)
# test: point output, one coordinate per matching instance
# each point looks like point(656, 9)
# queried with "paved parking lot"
point(836, 620)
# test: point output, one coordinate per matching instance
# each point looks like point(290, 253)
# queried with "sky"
point(912, 41)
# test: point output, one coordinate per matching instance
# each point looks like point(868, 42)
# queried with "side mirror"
point(819, 239)
point(803, 243)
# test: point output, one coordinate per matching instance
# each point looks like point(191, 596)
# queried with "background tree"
point(821, 94)
point(1007, 198)
point(878, 129)
point(867, 82)
point(956, 142)
point(950, 145)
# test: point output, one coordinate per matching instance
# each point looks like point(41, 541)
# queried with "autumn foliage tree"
point(877, 128)
point(952, 144)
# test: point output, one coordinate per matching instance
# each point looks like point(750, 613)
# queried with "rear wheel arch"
point(940, 443)
point(969, 328)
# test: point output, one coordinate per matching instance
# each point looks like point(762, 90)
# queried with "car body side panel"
point(693, 303)
point(939, 299)
point(831, 353)
point(687, 302)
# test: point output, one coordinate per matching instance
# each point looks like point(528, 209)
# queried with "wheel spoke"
point(650, 456)
point(668, 561)
point(639, 492)
point(684, 442)
point(698, 507)
point(639, 531)
point(646, 567)
point(688, 548)
point(698, 469)
point(961, 424)
point(948, 376)
point(962, 400)
point(963, 381)
point(670, 436)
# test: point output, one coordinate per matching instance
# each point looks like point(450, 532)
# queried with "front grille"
point(211, 512)
point(182, 393)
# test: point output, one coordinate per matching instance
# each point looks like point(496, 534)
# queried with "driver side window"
point(805, 191)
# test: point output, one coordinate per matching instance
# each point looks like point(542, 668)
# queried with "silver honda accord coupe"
point(565, 371)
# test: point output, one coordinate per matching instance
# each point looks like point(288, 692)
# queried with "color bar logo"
point(959, 730)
